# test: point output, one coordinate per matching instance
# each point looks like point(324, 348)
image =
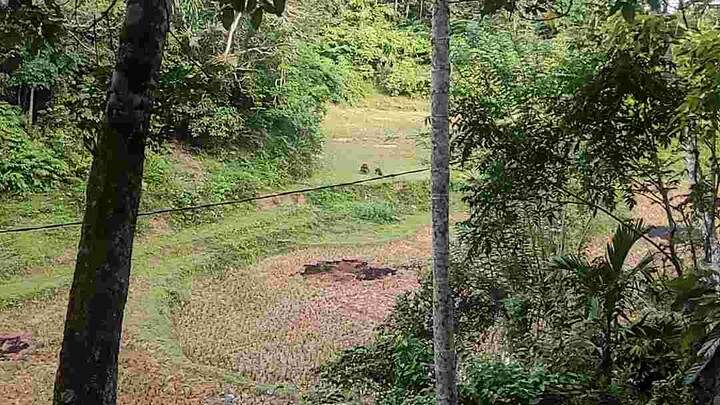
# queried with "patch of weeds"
point(244, 246)
point(391, 135)
point(15, 294)
point(157, 327)
point(336, 200)
point(277, 390)
point(11, 262)
point(378, 212)
point(231, 185)
point(171, 287)
point(157, 169)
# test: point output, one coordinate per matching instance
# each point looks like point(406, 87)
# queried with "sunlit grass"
point(202, 315)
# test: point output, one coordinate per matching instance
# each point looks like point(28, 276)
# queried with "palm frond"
point(706, 353)
point(573, 263)
point(625, 237)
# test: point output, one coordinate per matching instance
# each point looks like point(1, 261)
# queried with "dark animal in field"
point(364, 168)
point(378, 171)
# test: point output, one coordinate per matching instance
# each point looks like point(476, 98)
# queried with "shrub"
point(474, 307)
point(492, 382)
point(379, 212)
point(217, 124)
point(331, 199)
point(26, 164)
point(366, 35)
point(405, 77)
point(394, 366)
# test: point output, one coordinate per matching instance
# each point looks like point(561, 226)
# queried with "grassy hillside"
point(216, 300)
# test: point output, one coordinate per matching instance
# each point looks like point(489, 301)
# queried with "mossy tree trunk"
point(443, 321)
point(87, 371)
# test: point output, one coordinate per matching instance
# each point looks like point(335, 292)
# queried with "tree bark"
point(443, 321)
point(711, 249)
point(31, 108)
point(87, 371)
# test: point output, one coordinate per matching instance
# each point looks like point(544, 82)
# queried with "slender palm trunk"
point(87, 371)
point(443, 320)
point(706, 211)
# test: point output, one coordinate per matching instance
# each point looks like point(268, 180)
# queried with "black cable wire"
point(229, 202)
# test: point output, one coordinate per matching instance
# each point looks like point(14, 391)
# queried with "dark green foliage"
point(364, 34)
point(506, 68)
point(32, 26)
point(27, 165)
point(593, 143)
point(476, 306)
point(394, 367)
point(494, 382)
point(45, 68)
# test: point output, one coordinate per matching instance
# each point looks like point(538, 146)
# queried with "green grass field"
point(216, 302)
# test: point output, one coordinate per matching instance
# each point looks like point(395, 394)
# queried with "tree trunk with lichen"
point(87, 371)
point(443, 321)
point(706, 208)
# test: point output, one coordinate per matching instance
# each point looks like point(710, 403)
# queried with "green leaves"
point(27, 165)
point(256, 18)
point(497, 382)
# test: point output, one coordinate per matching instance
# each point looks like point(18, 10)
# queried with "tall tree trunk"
point(31, 108)
point(443, 320)
point(712, 248)
point(87, 372)
point(706, 211)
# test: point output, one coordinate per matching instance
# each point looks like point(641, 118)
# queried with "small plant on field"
point(379, 212)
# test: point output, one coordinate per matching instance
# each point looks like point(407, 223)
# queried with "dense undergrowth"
point(260, 110)
point(559, 124)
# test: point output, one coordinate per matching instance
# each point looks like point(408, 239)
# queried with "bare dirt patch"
point(274, 202)
point(344, 267)
point(15, 346)
point(187, 162)
point(652, 214)
point(159, 225)
point(145, 376)
point(274, 325)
